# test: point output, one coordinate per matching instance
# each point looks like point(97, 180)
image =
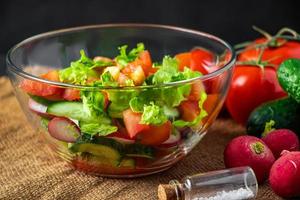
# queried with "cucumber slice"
point(139, 150)
point(128, 163)
point(108, 149)
point(68, 109)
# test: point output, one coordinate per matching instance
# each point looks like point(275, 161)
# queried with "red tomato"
point(184, 60)
point(290, 49)
point(200, 60)
point(145, 134)
point(249, 89)
point(189, 110)
point(42, 89)
point(155, 135)
point(71, 94)
point(144, 60)
point(132, 123)
point(196, 89)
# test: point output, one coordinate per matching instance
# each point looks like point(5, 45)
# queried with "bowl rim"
point(14, 68)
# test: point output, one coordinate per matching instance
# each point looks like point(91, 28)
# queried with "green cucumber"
point(41, 100)
point(74, 110)
point(289, 77)
point(128, 163)
point(105, 148)
point(139, 150)
point(284, 112)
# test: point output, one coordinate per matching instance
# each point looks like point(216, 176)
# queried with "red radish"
point(173, 140)
point(281, 139)
point(63, 129)
point(285, 175)
point(38, 108)
point(121, 137)
point(249, 151)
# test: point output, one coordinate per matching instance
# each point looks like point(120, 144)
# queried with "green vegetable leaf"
point(108, 80)
point(123, 59)
point(153, 114)
point(97, 129)
point(93, 102)
point(197, 120)
point(137, 104)
point(167, 70)
point(79, 71)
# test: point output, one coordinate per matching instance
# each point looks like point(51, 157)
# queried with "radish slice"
point(37, 107)
point(173, 140)
point(122, 140)
point(63, 129)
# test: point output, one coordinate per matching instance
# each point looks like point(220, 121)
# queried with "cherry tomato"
point(200, 60)
point(42, 89)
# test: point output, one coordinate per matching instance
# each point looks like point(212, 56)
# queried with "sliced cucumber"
point(68, 109)
point(128, 163)
point(105, 148)
point(139, 150)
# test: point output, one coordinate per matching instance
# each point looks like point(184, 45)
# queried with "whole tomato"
point(253, 84)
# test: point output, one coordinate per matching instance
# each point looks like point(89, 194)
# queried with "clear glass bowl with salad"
point(121, 100)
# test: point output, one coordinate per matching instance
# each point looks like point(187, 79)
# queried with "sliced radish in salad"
point(173, 140)
point(63, 129)
point(122, 140)
point(39, 109)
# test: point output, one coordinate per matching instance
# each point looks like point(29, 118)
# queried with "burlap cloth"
point(29, 170)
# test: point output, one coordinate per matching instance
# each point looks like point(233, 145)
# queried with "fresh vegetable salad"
point(113, 127)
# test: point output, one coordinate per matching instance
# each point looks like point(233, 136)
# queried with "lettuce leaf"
point(197, 120)
point(153, 114)
point(123, 58)
point(97, 129)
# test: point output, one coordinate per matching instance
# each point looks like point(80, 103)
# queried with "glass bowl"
point(114, 155)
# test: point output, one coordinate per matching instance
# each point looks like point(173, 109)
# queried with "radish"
point(249, 151)
point(63, 129)
point(285, 175)
point(122, 140)
point(281, 139)
point(38, 108)
point(173, 140)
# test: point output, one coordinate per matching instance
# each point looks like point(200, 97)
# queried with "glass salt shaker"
point(229, 184)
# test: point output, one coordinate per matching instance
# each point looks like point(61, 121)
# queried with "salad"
point(114, 127)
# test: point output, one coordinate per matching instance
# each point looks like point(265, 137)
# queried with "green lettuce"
point(97, 129)
point(123, 58)
point(197, 120)
point(153, 114)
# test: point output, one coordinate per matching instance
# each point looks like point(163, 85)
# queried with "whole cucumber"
point(289, 77)
point(285, 112)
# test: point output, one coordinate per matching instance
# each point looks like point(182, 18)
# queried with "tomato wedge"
point(189, 110)
point(132, 123)
point(200, 59)
point(184, 60)
point(71, 94)
point(42, 89)
point(145, 134)
point(144, 60)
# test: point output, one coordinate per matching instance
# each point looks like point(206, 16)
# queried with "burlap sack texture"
point(29, 170)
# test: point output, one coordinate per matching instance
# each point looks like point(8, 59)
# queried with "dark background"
point(230, 20)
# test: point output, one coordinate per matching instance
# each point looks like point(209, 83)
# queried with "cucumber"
point(104, 148)
point(68, 109)
point(285, 113)
point(41, 100)
point(139, 150)
point(74, 110)
point(289, 77)
point(128, 163)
